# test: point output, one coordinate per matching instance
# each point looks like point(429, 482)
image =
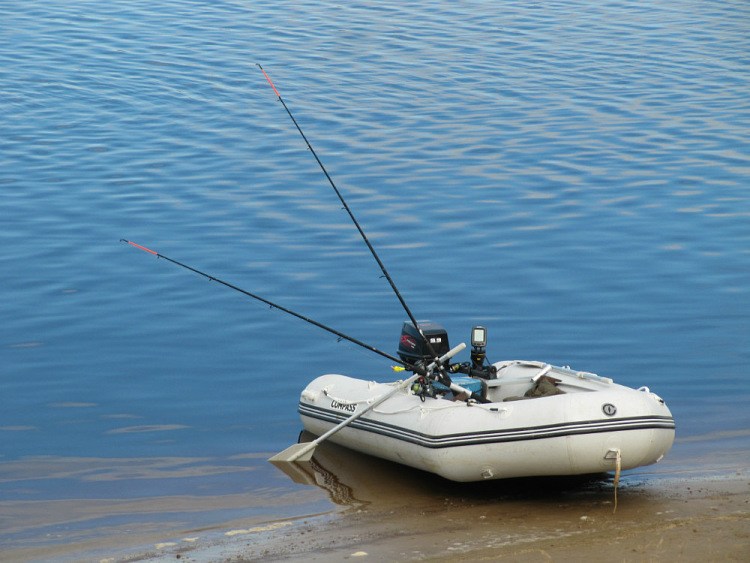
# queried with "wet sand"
point(346, 506)
point(389, 513)
point(708, 522)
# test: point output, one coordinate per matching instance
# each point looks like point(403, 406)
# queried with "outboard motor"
point(413, 349)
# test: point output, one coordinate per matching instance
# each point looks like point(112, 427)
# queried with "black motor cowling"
point(412, 348)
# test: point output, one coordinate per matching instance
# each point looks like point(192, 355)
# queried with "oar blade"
point(295, 452)
point(301, 473)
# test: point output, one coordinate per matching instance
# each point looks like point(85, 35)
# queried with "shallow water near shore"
point(571, 176)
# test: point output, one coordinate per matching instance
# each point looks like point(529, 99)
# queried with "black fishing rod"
point(419, 370)
point(273, 305)
point(441, 368)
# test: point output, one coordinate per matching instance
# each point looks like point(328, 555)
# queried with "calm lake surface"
point(573, 176)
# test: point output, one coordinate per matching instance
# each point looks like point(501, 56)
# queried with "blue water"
point(572, 175)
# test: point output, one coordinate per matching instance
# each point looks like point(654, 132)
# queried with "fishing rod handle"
point(449, 354)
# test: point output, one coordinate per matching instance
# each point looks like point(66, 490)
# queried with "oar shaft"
point(312, 445)
point(355, 416)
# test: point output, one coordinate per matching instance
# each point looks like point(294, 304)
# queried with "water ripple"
point(572, 174)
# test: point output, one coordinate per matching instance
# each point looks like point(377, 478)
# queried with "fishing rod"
point(419, 370)
point(273, 305)
point(441, 368)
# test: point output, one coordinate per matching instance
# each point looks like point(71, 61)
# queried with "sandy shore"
point(388, 513)
point(703, 521)
point(345, 506)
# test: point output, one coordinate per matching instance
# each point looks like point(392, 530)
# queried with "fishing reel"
point(423, 388)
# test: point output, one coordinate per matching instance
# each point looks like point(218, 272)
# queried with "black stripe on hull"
point(492, 436)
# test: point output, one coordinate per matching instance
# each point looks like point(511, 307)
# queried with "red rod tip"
point(269, 81)
point(131, 243)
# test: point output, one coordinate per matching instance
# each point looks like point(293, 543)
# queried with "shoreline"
point(347, 506)
point(388, 512)
point(687, 519)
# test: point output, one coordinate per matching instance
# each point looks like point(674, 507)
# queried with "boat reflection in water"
point(352, 479)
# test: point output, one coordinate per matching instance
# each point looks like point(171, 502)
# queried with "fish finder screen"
point(478, 336)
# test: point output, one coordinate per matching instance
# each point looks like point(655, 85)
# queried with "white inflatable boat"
point(587, 424)
point(509, 419)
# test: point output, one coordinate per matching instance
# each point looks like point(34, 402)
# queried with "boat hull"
point(573, 433)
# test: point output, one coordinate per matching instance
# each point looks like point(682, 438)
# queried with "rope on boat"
point(347, 401)
point(424, 410)
point(366, 401)
point(409, 409)
point(618, 467)
point(449, 405)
